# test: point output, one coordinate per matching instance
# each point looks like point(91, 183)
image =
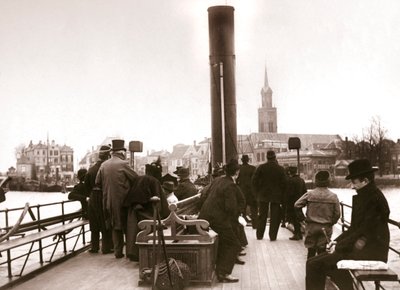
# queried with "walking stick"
point(161, 242)
point(155, 268)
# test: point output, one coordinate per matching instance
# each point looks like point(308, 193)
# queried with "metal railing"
point(42, 217)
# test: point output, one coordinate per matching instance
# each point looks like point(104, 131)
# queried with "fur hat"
point(118, 144)
point(359, 167)
point(322, 178)
point(271, 155)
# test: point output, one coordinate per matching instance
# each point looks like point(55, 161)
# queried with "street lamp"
point(135, 146)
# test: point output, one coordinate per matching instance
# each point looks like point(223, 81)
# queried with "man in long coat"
point(114, 178)
point(221, 210)
point(96, 212)
point(367, 238)
point(269, 182)
point(244, 181)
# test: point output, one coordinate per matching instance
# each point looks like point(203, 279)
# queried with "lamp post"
point(294, 143)
point(135, 146)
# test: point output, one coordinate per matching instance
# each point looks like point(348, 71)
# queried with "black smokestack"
point(222, 70)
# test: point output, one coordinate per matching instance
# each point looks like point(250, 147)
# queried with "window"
point(51, 152)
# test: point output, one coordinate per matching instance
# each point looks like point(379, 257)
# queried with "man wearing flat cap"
point(367, 237)
point(269, 183)
point(114, 178)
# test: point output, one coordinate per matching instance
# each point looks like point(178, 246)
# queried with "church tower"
point(267, 116)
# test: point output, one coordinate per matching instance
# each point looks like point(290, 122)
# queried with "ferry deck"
point(278, 265)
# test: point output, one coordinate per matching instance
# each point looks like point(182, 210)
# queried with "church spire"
point(266, 85)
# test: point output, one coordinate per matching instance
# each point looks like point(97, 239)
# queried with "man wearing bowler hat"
point(269, 182)
point(114, 178)
point(367, 237)
point(185, 188)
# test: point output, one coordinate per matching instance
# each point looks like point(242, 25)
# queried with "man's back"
point(269, 182)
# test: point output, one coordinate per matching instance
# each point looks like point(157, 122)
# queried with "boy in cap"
point(367, 238)
point(323, 211)
point(80, 192)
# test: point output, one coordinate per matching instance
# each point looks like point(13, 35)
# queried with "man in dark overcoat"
point(114, 178)
point(221, 210)
point(367, 238)
point(96, 212)
point(244, 181)
point(269, 182)
point(139, 206)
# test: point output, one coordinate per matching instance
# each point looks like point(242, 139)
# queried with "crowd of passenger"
point(115, 199)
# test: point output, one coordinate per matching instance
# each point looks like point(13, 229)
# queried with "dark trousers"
point(118, 240)
point(106, 241)
point(132, 229)
point(228, 249)
point(253, 215)
point(321, 266)
point(275, 219)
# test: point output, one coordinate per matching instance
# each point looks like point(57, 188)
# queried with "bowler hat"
point(271, 154)
point(168, 186)
point(322, 178)
point(359, 167)
point(118, 144)
point(182, 171)
point(245, 158)
point(232, 166)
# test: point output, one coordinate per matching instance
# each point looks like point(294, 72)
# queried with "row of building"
point(318, 151)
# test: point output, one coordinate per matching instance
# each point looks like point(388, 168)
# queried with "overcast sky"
point(83, 70)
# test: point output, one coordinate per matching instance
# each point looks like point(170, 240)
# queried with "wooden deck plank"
point(269, 265)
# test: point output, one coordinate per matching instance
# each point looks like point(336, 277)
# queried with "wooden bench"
point(376, 276)
point(198, 250)
point(372, 275)
point(34, 231)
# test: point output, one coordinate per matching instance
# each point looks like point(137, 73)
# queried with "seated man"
point(366, 239)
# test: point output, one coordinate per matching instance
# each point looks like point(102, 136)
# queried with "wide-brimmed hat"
point(168, 186)
point(322, 178)
point(118, 144)
point(271, 155)
point(104, 149)
point(359, 167)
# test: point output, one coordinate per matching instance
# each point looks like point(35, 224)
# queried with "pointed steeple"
point(266, 85)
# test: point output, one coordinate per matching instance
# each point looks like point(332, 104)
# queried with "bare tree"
point(375, 135)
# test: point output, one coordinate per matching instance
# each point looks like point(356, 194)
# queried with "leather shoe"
point(296, 238)
point(227, 278)
point(93, 251)
point(119, 256)
point(133, 258)
point(239, 261)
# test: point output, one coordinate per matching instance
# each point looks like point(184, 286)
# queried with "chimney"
point(222, 77)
